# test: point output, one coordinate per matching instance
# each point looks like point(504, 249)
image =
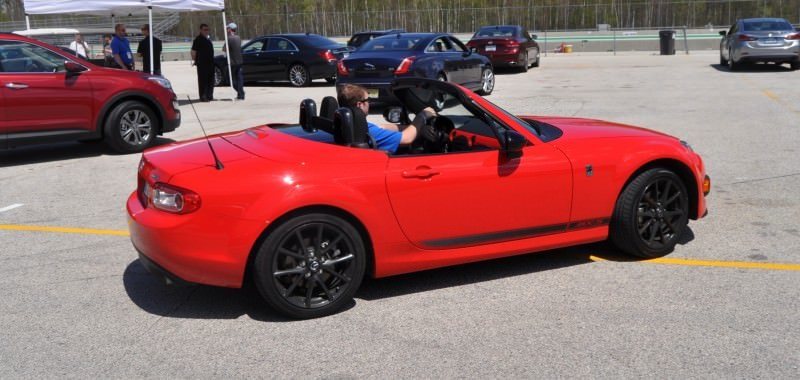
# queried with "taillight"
point(327, 55)
point(512, 44)
point(706, 185)
point(744, 37)
point(795, 36)
point(342, 69)
point(405, 66)
point(171, 198)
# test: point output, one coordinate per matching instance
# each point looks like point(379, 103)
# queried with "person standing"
point(235, 51)
point(108, 55)
point(121, 49)
point(144, 51)
point(203, 58)
point(80, 47)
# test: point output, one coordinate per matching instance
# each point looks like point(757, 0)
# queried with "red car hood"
point(579, 129)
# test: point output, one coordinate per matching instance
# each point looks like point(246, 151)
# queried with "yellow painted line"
point(714, 263)
point(65, 230)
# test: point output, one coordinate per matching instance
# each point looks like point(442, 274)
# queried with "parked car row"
point(374, 58)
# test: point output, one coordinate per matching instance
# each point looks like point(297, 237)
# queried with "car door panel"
point(461, 199)
point(3, 123)
point(47, 102)
point(470, 64)
point(252, 62)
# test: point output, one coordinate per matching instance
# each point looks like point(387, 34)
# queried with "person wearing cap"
point(235, 51)
point(144, 51)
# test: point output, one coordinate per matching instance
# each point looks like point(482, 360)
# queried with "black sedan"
point(298, 58)
point(426, 55)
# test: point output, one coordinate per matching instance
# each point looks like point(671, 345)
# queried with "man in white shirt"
point(80, 47)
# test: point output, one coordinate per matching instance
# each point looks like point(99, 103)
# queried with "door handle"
point(420, 172)
point(16, 86)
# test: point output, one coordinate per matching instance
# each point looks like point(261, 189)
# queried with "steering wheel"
point(437, 138)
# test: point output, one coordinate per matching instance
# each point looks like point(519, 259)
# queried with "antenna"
point(217, 162)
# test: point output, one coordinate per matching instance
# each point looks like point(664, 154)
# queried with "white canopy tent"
point(118, 7)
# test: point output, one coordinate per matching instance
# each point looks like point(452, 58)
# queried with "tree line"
point(344, 17)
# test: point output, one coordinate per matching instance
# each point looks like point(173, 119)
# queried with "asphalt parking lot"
point(75, 302)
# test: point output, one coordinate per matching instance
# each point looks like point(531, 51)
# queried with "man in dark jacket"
point(144, 51)
point(203, 58)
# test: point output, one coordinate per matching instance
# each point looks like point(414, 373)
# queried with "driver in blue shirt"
point(388, 137)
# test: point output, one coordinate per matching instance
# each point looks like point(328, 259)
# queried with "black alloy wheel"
point(651, 215)
point(299, 76)
point(310, 266)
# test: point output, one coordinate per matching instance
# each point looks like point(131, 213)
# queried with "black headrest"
point(308, 111)
point(328, 107)
point(350, 127)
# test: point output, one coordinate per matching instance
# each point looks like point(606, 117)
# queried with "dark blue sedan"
point(427, 55)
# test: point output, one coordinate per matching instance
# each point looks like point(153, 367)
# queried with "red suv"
point(49, 96)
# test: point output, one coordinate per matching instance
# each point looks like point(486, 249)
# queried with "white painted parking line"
point(9, 208)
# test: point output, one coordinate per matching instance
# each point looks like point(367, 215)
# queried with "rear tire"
point(487, 82)
point(536, 62)
point(722, 60)
point(130, 127)
point(651, 214)
point(732, 64)
point(299, 76)
point(525, 64)
point(310, 266)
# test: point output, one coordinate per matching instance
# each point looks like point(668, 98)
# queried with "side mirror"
point(73, 68)
point(393, 115)
point(534, 37)
point(513, 143)
point(723, 33)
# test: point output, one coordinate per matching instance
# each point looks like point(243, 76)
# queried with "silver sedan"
point(766, 40)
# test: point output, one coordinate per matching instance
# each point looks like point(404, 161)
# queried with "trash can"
point(667, 42)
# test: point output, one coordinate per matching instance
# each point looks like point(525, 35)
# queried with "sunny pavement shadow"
point(36, 154)
point(206, 302)
point(753, 68)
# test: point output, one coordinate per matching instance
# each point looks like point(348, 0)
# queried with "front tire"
point(331, 80)
point(299, 76)
point(219, 77)
point(310, 266)
point(130, 127)
point(794, 65)
point(538, 57)
point(487, 82)
point(651, 214)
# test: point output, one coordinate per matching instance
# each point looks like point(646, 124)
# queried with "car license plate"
point(345, 55)
point(491, 48)
point(372, 93)
point(768, 41)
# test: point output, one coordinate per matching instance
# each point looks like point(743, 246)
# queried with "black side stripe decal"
point(522, 233)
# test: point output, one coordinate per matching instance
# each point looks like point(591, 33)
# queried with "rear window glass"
point(320, 41)
point(767, 25)
point(497, 32)
point(391, 43)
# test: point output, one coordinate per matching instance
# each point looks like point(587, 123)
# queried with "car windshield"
point(503, 31)
point(767, 25)
point(391, 43)
point(319, 41)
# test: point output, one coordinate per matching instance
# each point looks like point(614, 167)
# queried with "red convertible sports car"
point(306, 210)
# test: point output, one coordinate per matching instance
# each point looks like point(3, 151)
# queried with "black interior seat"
point(350, 128)
point(326, 113)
